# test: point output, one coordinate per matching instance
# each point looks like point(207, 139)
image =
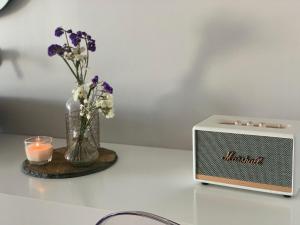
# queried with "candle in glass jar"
point(39, 149)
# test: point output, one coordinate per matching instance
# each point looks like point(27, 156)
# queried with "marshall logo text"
point(231, 156)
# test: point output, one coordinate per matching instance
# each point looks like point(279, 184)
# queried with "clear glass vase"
point(82, 142)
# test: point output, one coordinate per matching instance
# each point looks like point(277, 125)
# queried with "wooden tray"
point(60, 168)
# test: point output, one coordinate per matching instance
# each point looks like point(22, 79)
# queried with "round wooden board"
point(60, 168)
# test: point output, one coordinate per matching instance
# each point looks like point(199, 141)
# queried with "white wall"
point(171, 62)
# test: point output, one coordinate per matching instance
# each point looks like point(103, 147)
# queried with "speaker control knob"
point(237, 122)
point(249, 123)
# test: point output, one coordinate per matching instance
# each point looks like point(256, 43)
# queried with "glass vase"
point(82, 142)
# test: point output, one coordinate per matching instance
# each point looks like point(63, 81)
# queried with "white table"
point(15, 210)
point(145, 179)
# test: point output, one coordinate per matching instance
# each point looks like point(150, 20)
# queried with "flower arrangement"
point(93, 96)
point(76, 58)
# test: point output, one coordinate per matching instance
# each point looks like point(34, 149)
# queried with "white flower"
point(109, 103)
point(79, 57)
point(110, 114)
point(81, 107)
point(109, 97)
point(81, 113)
point(78, 50)
point(105, 103)
point(88, 116)
point(99, 103)
point(79, 93)
point(85, 101)
point(76, 54)
point(69, 55)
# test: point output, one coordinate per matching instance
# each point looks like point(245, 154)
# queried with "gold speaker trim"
point(244, 183)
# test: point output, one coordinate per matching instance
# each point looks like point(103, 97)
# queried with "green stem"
point(67, 39)
point(80, 69)
point(83, 123)
point(71, 70)
point(90, 120)
point(76, 66)
point(87, 58)
point(89, 93)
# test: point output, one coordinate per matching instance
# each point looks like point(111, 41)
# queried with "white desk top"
point(15, 210)
point(145, 179)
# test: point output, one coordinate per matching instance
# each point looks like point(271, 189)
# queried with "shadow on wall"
point(29, 116)
point(13, 6)
point(171, 121)
point(193, 101)
point(11, 56)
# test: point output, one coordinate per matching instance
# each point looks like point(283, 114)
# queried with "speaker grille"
point(276, 168)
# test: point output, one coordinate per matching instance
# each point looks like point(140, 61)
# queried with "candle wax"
point(38, 152)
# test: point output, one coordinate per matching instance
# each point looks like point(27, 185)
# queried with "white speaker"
point(249, 153)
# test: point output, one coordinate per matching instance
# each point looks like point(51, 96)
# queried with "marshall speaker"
point(249, 153)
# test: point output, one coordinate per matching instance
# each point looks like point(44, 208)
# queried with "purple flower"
point(84, 33)
point(55, 49)
point(59, 31)
point(60, 51)
point(95, 80)
point(69, 31)
point(52, 50)
point(75, 39)
point(91, 45)
point(79, 33)
point(107, 87)
point(73, 36)
point(89, 37)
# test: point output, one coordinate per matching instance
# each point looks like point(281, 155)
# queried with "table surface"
point(155, 180)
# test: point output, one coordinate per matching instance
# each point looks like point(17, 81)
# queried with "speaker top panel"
point(251, 126)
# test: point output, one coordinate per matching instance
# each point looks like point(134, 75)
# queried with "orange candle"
point(38, 151)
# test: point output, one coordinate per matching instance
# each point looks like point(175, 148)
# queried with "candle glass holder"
point(39, 149)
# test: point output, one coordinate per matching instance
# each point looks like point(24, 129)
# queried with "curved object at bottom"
point(147, 215)
point(3, 4)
